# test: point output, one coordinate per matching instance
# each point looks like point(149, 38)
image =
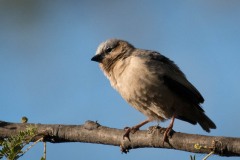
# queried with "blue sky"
point(46, 73)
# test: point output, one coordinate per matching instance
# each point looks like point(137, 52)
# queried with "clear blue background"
point(46, 73)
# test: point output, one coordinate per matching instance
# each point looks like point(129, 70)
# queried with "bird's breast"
point(132, 77)
point(143, 89)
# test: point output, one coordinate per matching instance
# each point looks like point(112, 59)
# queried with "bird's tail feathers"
point(205, 122)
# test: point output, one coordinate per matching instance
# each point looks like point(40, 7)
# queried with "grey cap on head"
point(106, 47)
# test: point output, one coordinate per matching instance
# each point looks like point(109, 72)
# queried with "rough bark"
point(93, 132)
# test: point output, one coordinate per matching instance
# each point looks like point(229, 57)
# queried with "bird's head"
point(111, 51)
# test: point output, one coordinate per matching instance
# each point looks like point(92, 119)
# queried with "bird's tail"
point(196, 115)
point(205, 122)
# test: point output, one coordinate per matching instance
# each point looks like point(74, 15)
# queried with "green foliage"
point(192, 157)
point(42, 158)
point(24, 119)
point(12, 147)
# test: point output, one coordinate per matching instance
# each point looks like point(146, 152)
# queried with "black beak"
point(97, 58)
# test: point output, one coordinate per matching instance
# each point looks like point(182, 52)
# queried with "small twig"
point(44, 150)
point(205, 158)
point(31, 146)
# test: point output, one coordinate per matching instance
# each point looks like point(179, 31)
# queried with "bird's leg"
point(134, 129)
point(168, 130)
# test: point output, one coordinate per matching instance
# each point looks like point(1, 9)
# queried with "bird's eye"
point(108, 50)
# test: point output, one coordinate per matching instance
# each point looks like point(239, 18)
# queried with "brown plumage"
point(152, 84)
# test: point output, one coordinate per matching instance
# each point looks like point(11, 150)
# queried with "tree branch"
point(92, 132)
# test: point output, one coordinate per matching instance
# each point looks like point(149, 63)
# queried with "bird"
point(151, 83)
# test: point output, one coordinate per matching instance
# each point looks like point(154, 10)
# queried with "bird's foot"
point(134, 129)
point(168, 131)
point(166, 135)
point(130, 130)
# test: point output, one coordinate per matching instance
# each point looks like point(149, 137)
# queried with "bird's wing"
point(173, 77)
